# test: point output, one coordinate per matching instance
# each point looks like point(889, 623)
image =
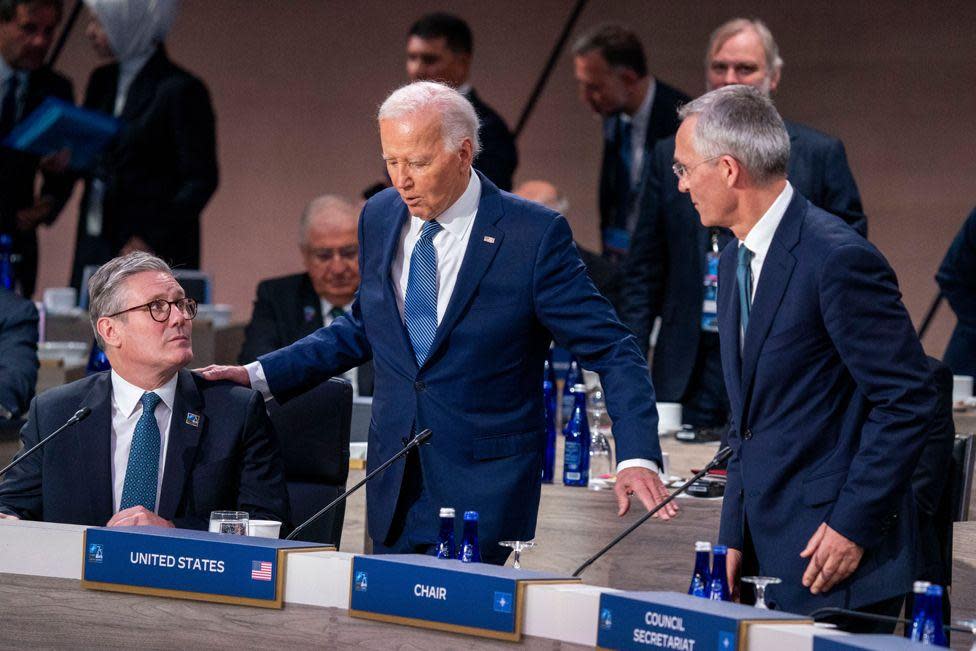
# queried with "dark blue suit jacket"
point(480, 390)
point(18, 351)
point(666, 265)
point(957, 279)
point(230, 461)
point(831, 398)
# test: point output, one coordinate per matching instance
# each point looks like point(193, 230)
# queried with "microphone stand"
point(80, 415)
point(421, 437)
point(823, 613)
point(719, 458)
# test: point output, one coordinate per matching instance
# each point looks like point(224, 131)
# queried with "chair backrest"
point(961, 476)
point(313, 431)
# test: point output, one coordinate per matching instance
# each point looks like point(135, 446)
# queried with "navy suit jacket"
point(229, 461)
point(480, 390)
point(18, 351)
point(831, 400)
point(957, 280)
point(664, 271)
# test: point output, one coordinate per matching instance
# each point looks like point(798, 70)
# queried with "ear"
point(466, 152)
point(774, 81)
point(628, 76)
point(731, 171)
point(108, 329)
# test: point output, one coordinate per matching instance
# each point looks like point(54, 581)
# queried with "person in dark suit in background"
point(161, 171)
point(291, 307)
point(603, 273)
point(464, 287)
point(668, 271)
point(440, 48)
point(957, 280)
point(161, 447)
point(637, 111)
point(26, 32)
point(18, 354)
point(830, 391)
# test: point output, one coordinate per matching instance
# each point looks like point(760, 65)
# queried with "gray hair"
point(728, 29)
point(458, 119)
point(105, 287)
point(742, 122)
point(330, 206)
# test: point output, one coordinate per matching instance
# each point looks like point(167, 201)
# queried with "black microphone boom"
point(421, 437)
point(720, 458)
point(80, 415)
point(823, 614)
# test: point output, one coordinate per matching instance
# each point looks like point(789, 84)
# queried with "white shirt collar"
point(127, 395)
point(761, 236)
point(459, 217)
point(464, 89)
point(643, 113)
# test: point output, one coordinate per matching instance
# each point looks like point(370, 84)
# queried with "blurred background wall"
point(296, 83)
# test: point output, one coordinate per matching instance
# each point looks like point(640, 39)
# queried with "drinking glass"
point(232, 522)
point(518, 546)
point(971, 625)
point(761, 582)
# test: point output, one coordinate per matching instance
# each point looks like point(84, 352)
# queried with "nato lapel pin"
point(192, 419)
point(489, 239)
point(309, 313)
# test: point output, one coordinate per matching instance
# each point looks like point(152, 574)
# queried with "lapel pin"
point(489, 239)
point(192, 419)
point(309, 313)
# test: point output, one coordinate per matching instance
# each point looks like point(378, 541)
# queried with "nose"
point(683, 183)
point(402, 179)
point(731, 77)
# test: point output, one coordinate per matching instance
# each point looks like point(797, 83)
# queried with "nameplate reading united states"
point(189, 564)
point(678, 622)
point(471, 598)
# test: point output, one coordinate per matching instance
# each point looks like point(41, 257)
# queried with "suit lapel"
point(773, 281)
point(181, 449)
point(391, 244)
point(94, 436)
point(310, 304)
point(144, 86)
point(483, 244)
point(729, 330)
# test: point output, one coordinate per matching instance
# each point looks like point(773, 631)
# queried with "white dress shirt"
point(640, 121)
point(761, 236)
point(126, 411)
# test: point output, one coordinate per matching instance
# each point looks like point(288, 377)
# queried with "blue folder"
point(57, 125)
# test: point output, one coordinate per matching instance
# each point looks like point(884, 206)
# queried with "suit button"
point(747, 435)
point(419, 386)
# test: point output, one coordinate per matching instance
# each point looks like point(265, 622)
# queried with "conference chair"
point(313, 431)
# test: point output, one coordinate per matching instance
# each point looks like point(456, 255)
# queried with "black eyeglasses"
point(160, 309)
point(346, 253)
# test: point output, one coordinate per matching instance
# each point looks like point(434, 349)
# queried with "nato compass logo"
point(360, 583)
point(96, 554)
point(606, 619)
point(726, 641)
point(503, 602)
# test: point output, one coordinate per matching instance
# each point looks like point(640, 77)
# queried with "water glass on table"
point(232, 522)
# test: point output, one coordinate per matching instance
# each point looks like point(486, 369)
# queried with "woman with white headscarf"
point(162, 170)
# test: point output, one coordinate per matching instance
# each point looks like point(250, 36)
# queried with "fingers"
point(814, 541)
point(733, 565)
point(623, 499)
point(4, 516)
point(646, 485)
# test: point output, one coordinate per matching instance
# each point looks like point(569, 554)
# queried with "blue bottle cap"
point(934, 590)
point(720, 549)
point(470, 516)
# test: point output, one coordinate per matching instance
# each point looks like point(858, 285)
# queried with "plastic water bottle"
point(549, 398)
point(8, 278)
point(576, 458)
point(445, 540)
point(97, 361)
point(718, 584)
point(574, 376)
point(469, 552)
point(918, 609)
point(932, 631)
point(701, 576)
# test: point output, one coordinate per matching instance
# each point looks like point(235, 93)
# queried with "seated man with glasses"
point(161, 446)
point(291, 307)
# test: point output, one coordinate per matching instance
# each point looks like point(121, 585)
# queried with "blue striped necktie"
point(743, 276)
point(420, 302)
point(142, 473)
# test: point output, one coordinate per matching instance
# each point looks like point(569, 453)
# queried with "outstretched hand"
point(649, 489)
point(236, 374)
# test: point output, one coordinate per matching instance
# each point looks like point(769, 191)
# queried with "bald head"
point(545, 193)
point(330, 248)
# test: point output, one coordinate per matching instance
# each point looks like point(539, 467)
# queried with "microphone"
point(421, 437)
point(719, 459)
point(80, 415)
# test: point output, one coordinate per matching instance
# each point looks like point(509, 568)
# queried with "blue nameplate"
point(862, 642)
point(189, 564)
point(472, 598)
point(669, 620)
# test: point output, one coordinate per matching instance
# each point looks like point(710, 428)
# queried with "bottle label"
point(572, 457)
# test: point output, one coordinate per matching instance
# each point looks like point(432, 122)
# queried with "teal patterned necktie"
point(743, 276)
point(142, 473)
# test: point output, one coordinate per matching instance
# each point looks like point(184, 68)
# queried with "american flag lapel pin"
point(192, 419)
point(489, 239)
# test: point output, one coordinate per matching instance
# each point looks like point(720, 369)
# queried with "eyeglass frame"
point(681, 171)
point(186, 300)
point(327, 254)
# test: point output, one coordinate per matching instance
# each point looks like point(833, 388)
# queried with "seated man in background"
point(957, 280)
point(602, 272)
point(291, 307)
point(161, 446)
point(18, 354)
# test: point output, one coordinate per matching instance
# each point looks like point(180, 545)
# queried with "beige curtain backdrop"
point(296, 83)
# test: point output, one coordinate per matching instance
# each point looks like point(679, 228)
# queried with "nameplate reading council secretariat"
point(189, 564)
point(864, 643)
point(679, 622)
point(448, 595)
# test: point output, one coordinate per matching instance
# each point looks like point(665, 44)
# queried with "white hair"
point(734, 27)
point(328, 207)
point(458, 119)
point(740, 121)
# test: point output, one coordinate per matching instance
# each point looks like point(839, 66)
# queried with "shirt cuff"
point(638, 463)
point(255, 372)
